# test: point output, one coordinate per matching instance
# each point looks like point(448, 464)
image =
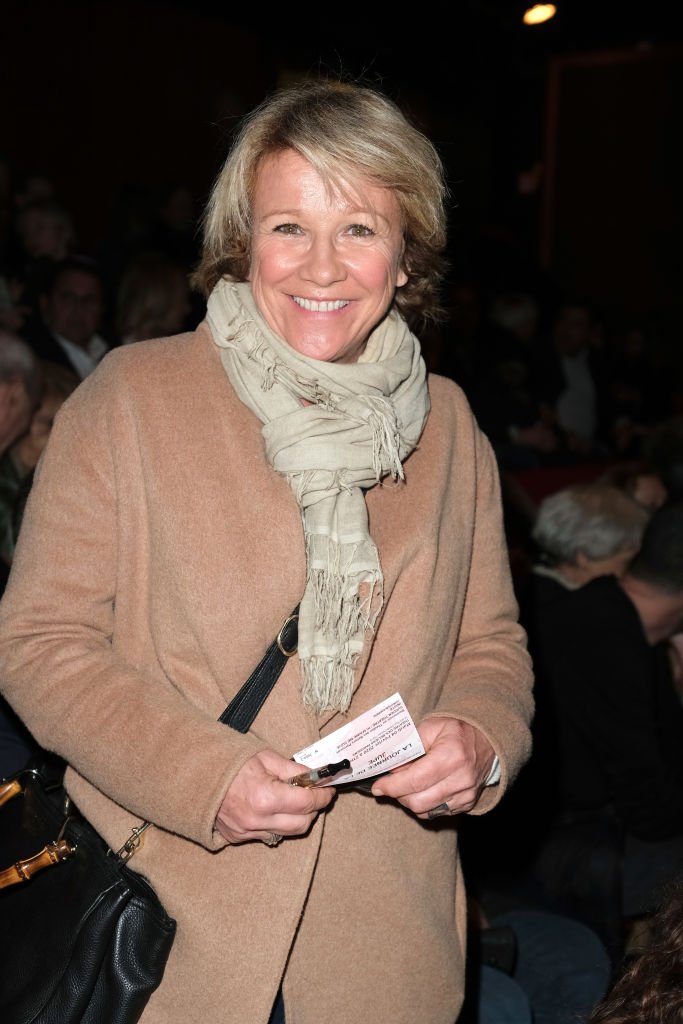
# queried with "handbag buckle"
point(287, 651)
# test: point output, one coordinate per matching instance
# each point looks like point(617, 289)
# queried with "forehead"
point(289, 181)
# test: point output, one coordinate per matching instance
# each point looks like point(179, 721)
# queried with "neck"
point(660, 612)
point(573, 575)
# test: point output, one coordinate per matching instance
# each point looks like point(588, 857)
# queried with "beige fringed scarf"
point(364, 420)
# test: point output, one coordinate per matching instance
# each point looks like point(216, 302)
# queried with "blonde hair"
point(348, 133)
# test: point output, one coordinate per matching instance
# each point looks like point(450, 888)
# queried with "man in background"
point(72, 310)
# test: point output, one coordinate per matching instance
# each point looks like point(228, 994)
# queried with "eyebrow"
point(354, 211)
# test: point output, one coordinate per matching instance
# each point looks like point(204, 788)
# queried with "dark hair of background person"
point(153, 299)
point(650, 989)
point(659, 561)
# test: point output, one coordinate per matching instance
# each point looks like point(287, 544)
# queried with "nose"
point(323, 264)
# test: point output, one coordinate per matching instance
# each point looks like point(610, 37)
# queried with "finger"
point(285, 825)
point(302, 800)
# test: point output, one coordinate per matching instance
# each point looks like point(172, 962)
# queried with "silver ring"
point(273, 839)
point(439, 811)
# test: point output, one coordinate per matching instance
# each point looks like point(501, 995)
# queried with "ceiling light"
point(539, 13)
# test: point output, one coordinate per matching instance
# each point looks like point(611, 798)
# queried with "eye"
point(288, 229)
point(360, 231)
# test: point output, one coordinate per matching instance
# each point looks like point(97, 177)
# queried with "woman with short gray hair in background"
point(587, 530)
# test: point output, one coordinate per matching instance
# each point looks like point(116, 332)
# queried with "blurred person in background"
point(153, 299)
point(45, 236)
point(609, 718)
point(570, 377)
point(21, 387)
point(21, 390)
point(585, 536)
point(20, 459)
point(649, 986)
point(640, 480)
point(72, 308)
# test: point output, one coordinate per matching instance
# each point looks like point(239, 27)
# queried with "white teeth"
point(319, 307)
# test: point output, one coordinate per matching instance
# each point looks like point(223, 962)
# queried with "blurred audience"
point(640, 481)
point(641, 392)
point(174, 226)
point(663, 449)
point(597, 812)
point(530, 966)
point(18, 461)
point(72, 308)
point(571, 378)
point(43, 236)
point(503, 387)
point(21, 389)
point(153, 299)
point(609, 720)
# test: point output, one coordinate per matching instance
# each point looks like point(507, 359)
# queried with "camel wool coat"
point(158, 558)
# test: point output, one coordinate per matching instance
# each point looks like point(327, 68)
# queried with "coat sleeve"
point(490, 679)
point(128, 731)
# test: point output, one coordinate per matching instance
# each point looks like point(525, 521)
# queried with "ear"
point(403, 268)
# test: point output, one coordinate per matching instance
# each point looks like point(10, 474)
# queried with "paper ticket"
point(382, 738)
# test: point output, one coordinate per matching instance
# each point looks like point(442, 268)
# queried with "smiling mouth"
point(320, 307)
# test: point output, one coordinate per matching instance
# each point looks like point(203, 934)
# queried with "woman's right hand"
point(260, 802)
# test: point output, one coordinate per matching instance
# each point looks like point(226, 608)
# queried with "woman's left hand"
point(449, 777)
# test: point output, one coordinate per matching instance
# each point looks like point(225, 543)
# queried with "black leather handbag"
point(83, 938)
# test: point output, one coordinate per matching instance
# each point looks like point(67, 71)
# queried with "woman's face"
point(324, 268)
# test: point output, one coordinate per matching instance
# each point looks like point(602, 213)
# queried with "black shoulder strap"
point(246, 704)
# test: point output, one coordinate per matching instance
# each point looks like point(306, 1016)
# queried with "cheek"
point(378, 271)
point(268, 262)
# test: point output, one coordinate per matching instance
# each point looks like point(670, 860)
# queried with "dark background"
point(561, 141)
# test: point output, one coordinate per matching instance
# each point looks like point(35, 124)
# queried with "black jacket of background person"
point(607, 698)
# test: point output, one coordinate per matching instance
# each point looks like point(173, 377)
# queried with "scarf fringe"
point(386, 441)
point(346, 599)
point(327, 682)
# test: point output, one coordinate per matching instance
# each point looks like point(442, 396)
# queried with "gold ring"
point(273, 839)
point(439, 811)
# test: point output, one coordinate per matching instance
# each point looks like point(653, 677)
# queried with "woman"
point(193, 491)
